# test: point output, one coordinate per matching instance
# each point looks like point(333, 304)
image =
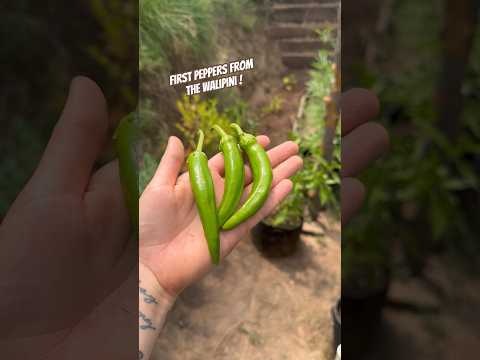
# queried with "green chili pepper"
point(125, 137)
point(262, 178)
point(234, 175)
point(204, 194)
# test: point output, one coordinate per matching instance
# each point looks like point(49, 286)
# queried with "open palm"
point(172, 243)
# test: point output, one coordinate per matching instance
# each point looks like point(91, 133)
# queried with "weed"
point(289, 82)
point(274, 107)
point(198, 114)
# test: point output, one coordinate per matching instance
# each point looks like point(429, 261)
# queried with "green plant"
point(118, 21)
point(289, 82)
point(416, 195)
point(238, 12)
point(274, 107)
point(319, 179)
point(319, 86)
point(171, 30)
point(198, 114)
point(237, 111)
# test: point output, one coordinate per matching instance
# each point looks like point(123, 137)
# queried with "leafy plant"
point(118, 21)
point(415, 194)
point(289, 82)
point(274, 107)
point(171, 30)
point(198, 114)
point(319, 179)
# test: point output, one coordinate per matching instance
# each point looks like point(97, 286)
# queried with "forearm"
point(154, 304)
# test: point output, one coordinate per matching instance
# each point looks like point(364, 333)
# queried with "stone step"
point(299, 60)
point(293, 30)
point(301, 13)
point(297, 45)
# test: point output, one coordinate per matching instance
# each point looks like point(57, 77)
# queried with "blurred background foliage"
point(44, 45)
point(423, 196)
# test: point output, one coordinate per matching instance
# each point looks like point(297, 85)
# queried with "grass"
point(181, 32)
point(171, 28)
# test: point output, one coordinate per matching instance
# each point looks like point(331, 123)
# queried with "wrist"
point(151, 289)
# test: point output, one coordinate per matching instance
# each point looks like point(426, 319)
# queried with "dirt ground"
point(446, 324)
point(253, 308)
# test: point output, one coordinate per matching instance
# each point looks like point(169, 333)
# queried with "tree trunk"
point(461, 18)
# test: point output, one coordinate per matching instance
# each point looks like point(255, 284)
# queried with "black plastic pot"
point(362, 309)
point(274, 242)
point(337, 324)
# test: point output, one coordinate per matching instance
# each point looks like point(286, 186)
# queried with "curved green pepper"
point(204, 194)
point(262, 178)
point(234, 175)
point(125, 138)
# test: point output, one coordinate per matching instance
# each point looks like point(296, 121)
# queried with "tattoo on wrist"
point(147, 298)
point(146, 323)
point(140, 354)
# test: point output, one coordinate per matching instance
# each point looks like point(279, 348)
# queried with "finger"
point(77, 139)
point(107, 212)
point(217, 164)
point(362, 146)
point(352, 194)
point(277, 195)
point(286, 169)
point(357, 106)
point(277, 155)
point(170, 165)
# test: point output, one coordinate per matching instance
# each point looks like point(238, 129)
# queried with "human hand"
point(63, 243)
point(362, 143)
point(172, 243)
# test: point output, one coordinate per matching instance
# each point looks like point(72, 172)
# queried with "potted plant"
point(365, 278)
point(279, 234)
point(316, 185)
point(314, 188)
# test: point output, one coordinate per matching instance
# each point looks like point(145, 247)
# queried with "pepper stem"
point(201, 137)
point(237, 129)
point(219, 130)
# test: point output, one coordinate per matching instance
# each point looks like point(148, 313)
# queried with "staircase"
point(293, 23)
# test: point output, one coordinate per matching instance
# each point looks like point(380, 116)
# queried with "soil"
point(442, 321)
point(256, 308)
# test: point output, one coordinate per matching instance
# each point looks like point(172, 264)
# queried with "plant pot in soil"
point(337, 324)
point(275, 242)
point(362, 307)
